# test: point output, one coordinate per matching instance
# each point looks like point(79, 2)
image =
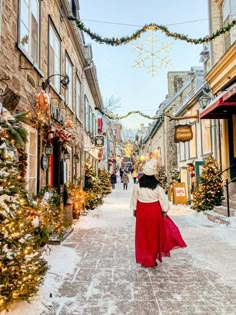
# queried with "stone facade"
point(160, 139)
point(26, 76)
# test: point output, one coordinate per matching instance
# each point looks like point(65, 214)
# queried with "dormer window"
point(74, 6)
point(228, 15)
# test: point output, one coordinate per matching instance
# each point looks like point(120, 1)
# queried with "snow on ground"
point(62, 261)
point(211, 246)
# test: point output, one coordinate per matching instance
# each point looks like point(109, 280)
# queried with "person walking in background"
point(113, 180)
point(156, 234)
point(121, 173)
point(125, 181)
point(134, 175)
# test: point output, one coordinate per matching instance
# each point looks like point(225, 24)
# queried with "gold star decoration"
point(152, 54)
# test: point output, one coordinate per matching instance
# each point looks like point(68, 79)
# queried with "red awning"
point(222, 107)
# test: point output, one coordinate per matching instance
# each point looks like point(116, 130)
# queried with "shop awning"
point(222, 107)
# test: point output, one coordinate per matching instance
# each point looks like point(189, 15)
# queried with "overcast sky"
point(117, 76)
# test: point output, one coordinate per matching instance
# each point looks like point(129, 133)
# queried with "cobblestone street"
point(108, 281)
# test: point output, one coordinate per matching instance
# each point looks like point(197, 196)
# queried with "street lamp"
point(205, 99)
point(64, 81)
point(66, 154)
point(48, 149)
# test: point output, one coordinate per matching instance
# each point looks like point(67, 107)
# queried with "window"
point(29, 28)
point(31, 150)
point(90, 120)
point(86, 113)
point(193, 142)
point(73, 7)
point(69, 91)
point(182, 151)
point(54, 57)
point(77, 97)
point(206, 136)
point(229, 14)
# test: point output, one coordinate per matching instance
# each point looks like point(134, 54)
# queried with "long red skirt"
point(155, 235)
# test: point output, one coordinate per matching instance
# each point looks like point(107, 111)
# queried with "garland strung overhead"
point(127, 115)
point(154, 27)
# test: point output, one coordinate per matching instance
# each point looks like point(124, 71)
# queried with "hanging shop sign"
point(183, 133)
point(56, 114)
point(99, 141)
point(44, 162)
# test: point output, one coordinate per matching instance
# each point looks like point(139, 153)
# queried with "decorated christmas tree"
point(105, 182)
point(78, 198)
point(21, 266)
point(92, 187)
point(210, 190)
point(162, 177)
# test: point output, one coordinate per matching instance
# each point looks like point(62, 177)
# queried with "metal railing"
point(227, 182)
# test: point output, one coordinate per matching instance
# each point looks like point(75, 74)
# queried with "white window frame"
point(77, 97)
point(69, 91)
point(86, 113)
point(29, 169)
point(27, 25)
point(54, 42)
point(228, 15)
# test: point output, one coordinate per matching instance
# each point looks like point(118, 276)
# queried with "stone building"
point(43, 52)
point(160, 138)
point(221, 79)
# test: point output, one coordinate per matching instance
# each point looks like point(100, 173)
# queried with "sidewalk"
point(94, 270)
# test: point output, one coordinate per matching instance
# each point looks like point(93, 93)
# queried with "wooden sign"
point(179, 193)
point(183, 133)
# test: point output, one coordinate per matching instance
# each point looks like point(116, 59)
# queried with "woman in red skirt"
point(156, 234)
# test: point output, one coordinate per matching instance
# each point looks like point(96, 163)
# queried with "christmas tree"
point(210, 190)
point(92, 187)
point(175, 175)
point(162, 177)
point(21, 266)
point(105, 182)
point(78, 197)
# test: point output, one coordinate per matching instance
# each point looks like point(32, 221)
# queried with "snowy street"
point(94, 270)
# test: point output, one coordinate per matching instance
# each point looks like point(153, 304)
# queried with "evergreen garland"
point(154, 27)
point(128, 114)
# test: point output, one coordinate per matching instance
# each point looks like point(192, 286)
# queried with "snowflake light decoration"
point(152, 54)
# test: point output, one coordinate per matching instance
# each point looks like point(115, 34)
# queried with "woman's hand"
point(164, 214)
point(134, 213)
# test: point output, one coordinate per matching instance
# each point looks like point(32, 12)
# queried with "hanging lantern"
point(183, 133)
point(49, 149)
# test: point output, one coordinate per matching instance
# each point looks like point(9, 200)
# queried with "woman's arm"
point(163, 198)
point(134, 198)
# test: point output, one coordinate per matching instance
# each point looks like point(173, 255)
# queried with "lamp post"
point(64, 81)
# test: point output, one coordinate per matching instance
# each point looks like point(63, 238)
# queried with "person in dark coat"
point(113, 180)
point(121, 173)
